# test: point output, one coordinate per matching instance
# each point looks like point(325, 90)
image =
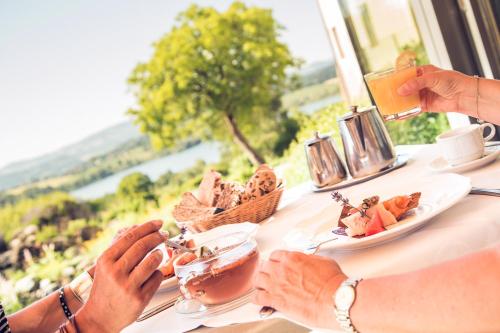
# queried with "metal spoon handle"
point(485, 191)
point(177, 246)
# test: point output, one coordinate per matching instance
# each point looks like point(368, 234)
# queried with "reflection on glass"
point(380, 30)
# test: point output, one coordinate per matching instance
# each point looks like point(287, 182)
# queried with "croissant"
point(401, 204)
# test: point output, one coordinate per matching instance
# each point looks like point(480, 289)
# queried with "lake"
point(208, 152)
point(319, 104)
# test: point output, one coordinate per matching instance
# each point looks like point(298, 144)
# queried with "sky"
point(64, 64)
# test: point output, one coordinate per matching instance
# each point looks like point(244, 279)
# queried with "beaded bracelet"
point(64, 305)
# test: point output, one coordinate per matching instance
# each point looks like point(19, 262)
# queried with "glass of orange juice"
point(383, 87)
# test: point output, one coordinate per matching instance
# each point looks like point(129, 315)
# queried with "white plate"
point(441, 165)
point(439, 193)
point(248, 227)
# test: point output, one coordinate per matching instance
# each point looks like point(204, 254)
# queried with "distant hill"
point(78, 156)
point(317, 72)
point(67, 158)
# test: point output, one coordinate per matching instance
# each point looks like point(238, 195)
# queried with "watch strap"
point(342, 315)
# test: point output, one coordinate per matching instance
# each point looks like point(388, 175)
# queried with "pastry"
point(230, 195)
point(261, 183)
point(189, 213)
point(209, 189)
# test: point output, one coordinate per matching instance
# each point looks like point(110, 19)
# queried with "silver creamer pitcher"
point(367, 146)
point(325, 166)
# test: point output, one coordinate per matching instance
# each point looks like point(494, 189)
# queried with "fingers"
point(421, 70)
point(121, 232)
point(279, 255)
point(146, 268)
point(263, 297)
point(151, 285)
point(185, 258)
point(134, 255)
point(413, 86)
point(129, 238)
point(263, 281)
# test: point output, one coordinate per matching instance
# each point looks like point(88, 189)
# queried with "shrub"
point(47, 233)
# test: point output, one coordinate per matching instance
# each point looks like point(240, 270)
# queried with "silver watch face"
point(344, 297)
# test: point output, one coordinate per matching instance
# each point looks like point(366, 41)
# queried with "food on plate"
point(401, 204)
point(373, 216)
point(216, 195)
point(221, 275)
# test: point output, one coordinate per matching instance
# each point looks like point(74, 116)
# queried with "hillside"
point(317, 72)
point(78, 157)
point(68, 158)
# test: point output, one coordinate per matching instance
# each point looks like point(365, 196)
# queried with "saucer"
point(439, 164)
point(401, 161)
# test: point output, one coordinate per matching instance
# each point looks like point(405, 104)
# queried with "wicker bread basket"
point(254, 211)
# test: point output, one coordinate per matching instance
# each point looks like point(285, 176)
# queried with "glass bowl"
point(219, 278)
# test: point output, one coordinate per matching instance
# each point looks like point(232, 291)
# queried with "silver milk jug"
point(325, 165)
point(367, 146)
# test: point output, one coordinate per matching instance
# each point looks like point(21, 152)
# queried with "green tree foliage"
point(216, 75)
point(30, 211)
point(136, 188)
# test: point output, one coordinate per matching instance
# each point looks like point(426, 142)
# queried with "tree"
point(136, 187)
point(215, 75)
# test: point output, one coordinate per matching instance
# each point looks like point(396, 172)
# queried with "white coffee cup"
point(464, 144)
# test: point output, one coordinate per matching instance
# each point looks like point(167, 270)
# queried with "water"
point(316, 105)
point(208, 152)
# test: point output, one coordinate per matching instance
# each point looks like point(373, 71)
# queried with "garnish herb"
point(345, 202)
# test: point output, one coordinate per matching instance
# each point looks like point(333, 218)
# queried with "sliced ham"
point(375, 225)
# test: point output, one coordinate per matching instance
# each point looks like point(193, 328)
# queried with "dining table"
point(470, 225)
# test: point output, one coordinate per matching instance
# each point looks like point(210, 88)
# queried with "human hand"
point(119, 233)
point(440, 90)
point(300, 286)
point(125, 280)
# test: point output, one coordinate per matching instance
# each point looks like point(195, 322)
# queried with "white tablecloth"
point(471, 225)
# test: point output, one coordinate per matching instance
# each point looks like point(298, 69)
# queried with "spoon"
point(314, 247)
point(168, 242)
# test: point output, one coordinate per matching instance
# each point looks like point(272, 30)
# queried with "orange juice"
point(383, 87)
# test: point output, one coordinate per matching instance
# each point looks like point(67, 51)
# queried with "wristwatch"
point(344, 299)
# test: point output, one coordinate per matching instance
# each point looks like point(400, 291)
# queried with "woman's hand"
point(441, 90)
point(124, 281)
point(301, 286)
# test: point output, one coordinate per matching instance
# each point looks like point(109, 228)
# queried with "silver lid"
point(355, 112)
point(317, 138)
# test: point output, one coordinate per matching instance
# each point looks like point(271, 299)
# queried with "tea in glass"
point(383, 87)
point(222, 276)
